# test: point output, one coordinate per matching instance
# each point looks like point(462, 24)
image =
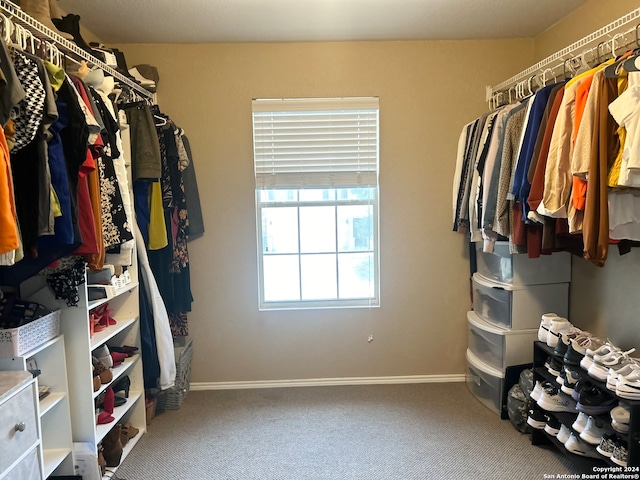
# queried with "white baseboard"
point(317, 382)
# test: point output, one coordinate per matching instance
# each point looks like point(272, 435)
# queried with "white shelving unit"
point(74, 325)
point(53, 410)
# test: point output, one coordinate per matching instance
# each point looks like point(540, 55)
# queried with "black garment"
point(150, 362)
point(196, 222)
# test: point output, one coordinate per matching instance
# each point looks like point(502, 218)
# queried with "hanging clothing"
point(161, 330)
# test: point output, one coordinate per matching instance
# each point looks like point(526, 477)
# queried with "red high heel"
point(103, 312)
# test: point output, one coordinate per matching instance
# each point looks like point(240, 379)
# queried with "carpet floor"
point(371, 432)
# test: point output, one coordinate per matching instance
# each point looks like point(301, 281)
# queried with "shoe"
point(539, 388)
point(590, 353)
point(122, 385)
point(71, 24)
point(594, 401)
point(129, 350)
point(571, 379)
point(558, 326)
point(560, 379)
point(102, 354)
point(103, 312)
point(565, 340)
point(553, 426)
point(545, 323)
point(594, 431)
point(112, 446)
point(556, 402)
point(621, 414)
point(625, 371)
point(554, 367)
point(617, 360)
point(537, 419)
point(580, 422)
point(577, 446)
point(41, 10)
point(620, 454)
point(563, 434)
point(607, 444)
point(628, 386)
point(620, 427)
point(579, 346)
point(101, 370)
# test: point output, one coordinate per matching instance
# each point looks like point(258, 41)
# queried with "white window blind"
point(315, 142)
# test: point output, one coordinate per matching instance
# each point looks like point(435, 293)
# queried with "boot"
point(112, 447)
point(71, 24)
point(41, 11)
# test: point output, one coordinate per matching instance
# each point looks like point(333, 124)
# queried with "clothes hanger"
point(583, 65)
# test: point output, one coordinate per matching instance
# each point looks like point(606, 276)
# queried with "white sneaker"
point(577, 446)
point(621, 414)
point(625, 371)
point(536, 393)
point(620, 427)
point(545, 323)
point(616, 360)
point(594, 431)
point(563, 434)
point(629, 387)
point(556, 402)
point(600, 350)
point(559, 325)
point(581, 422)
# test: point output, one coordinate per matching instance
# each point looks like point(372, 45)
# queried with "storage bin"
point(497, 347)
point(518, 307)
point(16, 341)
point(518, 269)
point(485, 383)
point(172, 398)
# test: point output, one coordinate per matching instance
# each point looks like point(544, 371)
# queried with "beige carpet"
point(381, 432)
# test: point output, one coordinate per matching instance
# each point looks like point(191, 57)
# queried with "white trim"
point(323, 382)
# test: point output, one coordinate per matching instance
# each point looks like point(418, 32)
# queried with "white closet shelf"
point(17, 15)
point(120, 371)
point(100, 338)
point(50, 401)
point(118, 291)
point(603, 34)
point(118, 414)
point(53, 457)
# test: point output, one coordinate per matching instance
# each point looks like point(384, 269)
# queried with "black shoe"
point(537, 419)
point(594, 401)
point(71, 24)
point(571, 356)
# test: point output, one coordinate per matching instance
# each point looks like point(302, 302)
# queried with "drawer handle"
point(20, 427)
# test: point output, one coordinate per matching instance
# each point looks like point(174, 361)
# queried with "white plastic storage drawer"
point(518, 269)
point(485, 383)
point(518, 307)
point(497, 347)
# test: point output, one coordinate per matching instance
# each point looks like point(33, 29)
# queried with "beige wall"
point(604, 300)
point(428, 91)
point(591, 16)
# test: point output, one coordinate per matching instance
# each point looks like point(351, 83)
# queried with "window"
point(316, 172)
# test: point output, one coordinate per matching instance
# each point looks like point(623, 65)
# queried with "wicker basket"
point(16, 341)
point(172, 398)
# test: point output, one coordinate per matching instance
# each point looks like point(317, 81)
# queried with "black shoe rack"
point(541, 352)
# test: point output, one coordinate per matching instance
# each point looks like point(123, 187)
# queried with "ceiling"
point(205, 21)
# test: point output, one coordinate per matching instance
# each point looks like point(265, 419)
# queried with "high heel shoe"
point(123, 384)
point(103, 312)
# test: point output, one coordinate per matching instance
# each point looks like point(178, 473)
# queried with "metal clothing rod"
point(16, 15)
point(588, 41)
